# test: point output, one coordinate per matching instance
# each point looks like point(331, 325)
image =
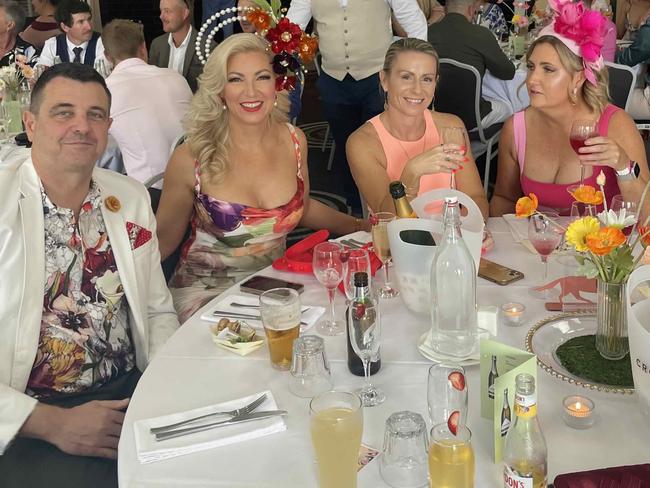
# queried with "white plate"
point(546, 336)
point(430, 354)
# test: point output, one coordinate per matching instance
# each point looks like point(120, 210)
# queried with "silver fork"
point(233, 413)
point(244, 305)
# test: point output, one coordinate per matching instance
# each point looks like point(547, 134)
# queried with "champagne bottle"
point(492, 375)
point(403, 208)
point(362, 298)
point(524, 453)
point(505, 414)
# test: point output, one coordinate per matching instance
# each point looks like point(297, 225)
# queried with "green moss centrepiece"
point(580, 358)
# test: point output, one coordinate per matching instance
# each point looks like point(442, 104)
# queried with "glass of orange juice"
point(336, 428)
point(451, 458)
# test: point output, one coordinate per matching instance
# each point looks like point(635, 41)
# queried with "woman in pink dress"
point(567, 81)
point(404, 142)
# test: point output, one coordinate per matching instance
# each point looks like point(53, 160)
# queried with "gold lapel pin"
point(112, 204)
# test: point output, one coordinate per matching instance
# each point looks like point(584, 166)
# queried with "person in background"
point(148, 102)
point(494, 19)
point(44, 26)
point(241, 178)
point(78, 43)
point(432, 11)
point(353, 39)
point(86, 307)
point(636, 53)
point(404, 142)
point(455, 37)
point(12, 47)
point(629, 17)
point(175, 48)
point(567, 81)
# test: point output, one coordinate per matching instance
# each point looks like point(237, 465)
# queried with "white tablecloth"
point(190, 372)
point(507, 91)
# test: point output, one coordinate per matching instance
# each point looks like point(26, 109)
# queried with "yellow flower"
point(578, 231)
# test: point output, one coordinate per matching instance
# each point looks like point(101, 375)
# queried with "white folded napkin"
point(310, 316)
point(519, 230)
point(487, 326)
point(150, 450)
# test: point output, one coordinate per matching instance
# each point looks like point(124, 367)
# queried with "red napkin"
point(637, 476)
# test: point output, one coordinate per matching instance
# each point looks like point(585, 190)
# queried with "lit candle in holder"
point(578, 412)
point(512, 313)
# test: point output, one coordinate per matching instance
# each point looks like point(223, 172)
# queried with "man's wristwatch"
point(628, 173)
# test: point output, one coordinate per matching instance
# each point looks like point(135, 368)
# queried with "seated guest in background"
point(148, 102)
point(404, 142)
point(78, 43)
point(566, 82)
point(630, 15)
point(175, 48)
point(494, 19)
point(455, 37)
point(12, 21)
point(77, 328)
point(44, 26)
point(241, 178)
point(639, 52)
point(432, 11)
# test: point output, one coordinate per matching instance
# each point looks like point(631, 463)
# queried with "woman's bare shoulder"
point(366, 134)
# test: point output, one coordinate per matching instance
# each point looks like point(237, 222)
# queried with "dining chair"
point(459, 92)
point(622, 81)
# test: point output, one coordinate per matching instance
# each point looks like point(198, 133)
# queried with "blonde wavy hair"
point(206, 124)
point(596, 97)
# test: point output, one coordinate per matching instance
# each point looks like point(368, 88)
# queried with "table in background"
point(190, 372)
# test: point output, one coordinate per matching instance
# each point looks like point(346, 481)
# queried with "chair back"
point(622, 80)
point(459, 92)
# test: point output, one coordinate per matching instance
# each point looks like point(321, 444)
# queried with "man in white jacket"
point(83, 301)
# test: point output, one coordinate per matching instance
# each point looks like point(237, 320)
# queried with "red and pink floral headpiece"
point(582, 30)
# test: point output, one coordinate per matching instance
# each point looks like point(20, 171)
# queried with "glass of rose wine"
point(329, 270)
point(545, 235)
point(581, 130)
point(381, 247)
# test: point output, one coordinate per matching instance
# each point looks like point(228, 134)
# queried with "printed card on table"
point(500, 365)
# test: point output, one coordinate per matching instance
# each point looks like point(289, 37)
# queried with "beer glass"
point(451, 458)
point(336, 428)
point(280, 311)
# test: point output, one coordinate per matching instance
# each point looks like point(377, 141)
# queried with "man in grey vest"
point(353, 40)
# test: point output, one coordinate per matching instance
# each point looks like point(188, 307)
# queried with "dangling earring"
point(275, 103)
point(573, 98)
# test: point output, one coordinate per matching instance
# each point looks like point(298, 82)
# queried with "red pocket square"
point(138, 235)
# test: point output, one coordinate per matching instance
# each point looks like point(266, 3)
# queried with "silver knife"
point(170, 434)
point(238, 315)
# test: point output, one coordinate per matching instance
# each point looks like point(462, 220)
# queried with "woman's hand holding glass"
point(603, 151)
point(444, 158)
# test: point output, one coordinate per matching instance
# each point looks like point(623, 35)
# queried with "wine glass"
point(627, 212)
point(365, 334)
point(328, 269)
point(5, 120)
point(447, 395)
point(357, 260)
point(545, 236)
point(581, 130)
point(454, 135)
point(381, 247)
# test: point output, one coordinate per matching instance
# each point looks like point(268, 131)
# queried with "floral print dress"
point(229, 242)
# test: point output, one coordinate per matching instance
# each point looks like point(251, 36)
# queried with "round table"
point(190, 372)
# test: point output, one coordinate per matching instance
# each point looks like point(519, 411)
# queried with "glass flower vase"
point(611, 335)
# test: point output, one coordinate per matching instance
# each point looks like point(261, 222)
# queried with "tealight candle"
point(578, 412)
point(512, 313)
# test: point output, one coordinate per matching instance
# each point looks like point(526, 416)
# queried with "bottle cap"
point(452, 199)
point(396, 189)
point(360, 279)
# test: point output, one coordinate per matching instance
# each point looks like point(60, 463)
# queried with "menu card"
point(500, 364)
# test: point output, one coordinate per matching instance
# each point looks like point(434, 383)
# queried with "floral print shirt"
point(85, 339)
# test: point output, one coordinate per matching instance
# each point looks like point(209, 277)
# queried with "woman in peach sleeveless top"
point(404, 142)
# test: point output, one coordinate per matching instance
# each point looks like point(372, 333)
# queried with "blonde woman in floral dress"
point(241, 179)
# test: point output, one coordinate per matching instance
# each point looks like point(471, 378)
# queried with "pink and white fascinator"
point(582, 30)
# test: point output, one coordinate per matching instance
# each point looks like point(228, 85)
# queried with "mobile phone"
point(259, 284)
point(497, 273)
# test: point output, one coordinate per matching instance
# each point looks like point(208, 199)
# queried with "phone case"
point(497, 273)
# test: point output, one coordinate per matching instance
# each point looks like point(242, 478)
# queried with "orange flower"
point(588, 194)
point(260, 19)
point(308, 47)
point(526, 206)
point(645, 239)
point(604, 241)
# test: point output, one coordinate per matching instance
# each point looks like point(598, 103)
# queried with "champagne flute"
point(328, 269)
point(381, 247)
point(454, 135)
point(5, 120)
point(581, 130)
point(365, 334)
point(544, 236)
point(357, 260)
